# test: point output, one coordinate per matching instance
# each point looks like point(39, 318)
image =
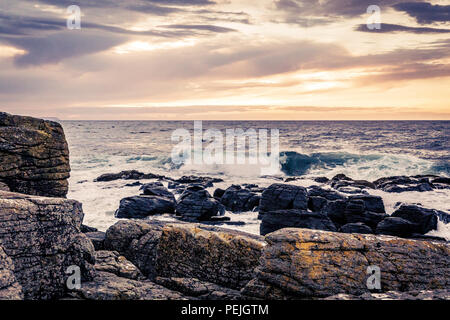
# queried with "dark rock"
point(34, 156)
point(418, 236)
point(301, 263)
point(371, 203)
point(321, 179)
point(97, 238)
point(134, 184)
point(395, 226)
point(144, 206)
point(341, 181)
point(316, 203)
point(358, 227)
point(275, 220)
point(283, 196)
point(196, 204)
point(424, 219)
point(335, 210)
point(157, 189)
point(42, 237)
point(206, 182)
point(399, 184)
point(443, 180)
point(236, 199)
point(218, 193)
point(330, 195)
point(85, 229)
point(367, 217)
point(127, 175)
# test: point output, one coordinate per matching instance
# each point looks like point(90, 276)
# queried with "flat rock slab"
point(302, 263)
point(217, 255)
point(108, 286)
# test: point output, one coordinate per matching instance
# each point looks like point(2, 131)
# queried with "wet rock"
point(34, 156)
point(157, 189)
point(283, 196)
point(424, 219)
point(399, 184)
point(42, 237)
point(113, 262)
point(371, 203)
point(218, 193)
point(10, 289)
point(127, 175)
point(418, 236)
point(196, 204)
point(358, 227)
point(97, 238)
point(221, 256)
point(335, 210)
point(236, 199)
point(321, 179)
point(302, 263)
point(355, 211)
point(134, 184)
point(395, 226)
point(144, 206)
point(206, 182)
point(275, 220)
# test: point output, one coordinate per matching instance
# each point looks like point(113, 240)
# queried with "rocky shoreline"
point(314, 243)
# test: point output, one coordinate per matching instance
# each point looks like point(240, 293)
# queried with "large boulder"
point(137, 241)
point(394, 226)
point(425, 219)
point(275, 220)
point(42, 237)
point(10, 289)
point(157, 189)
point(236, 199)
point(144, 206)
point(196, 204)
point(283, 196)
point(220, 256)
point(34, 156)
point(302, 263)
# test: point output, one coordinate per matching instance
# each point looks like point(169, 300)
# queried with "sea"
point(359, 149)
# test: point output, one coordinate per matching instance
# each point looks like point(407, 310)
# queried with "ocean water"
point(360, 149)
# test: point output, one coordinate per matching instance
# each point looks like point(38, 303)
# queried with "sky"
point(226, 59)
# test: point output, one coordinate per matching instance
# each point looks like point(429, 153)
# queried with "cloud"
point(209, 28)
point(387, 28)
point(56, 47)
point(424, 12)
point(330, 9)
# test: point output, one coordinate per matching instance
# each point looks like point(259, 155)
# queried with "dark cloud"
point(56, 47)
point(330, 8)
point(424, 12)
point(387, 28)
